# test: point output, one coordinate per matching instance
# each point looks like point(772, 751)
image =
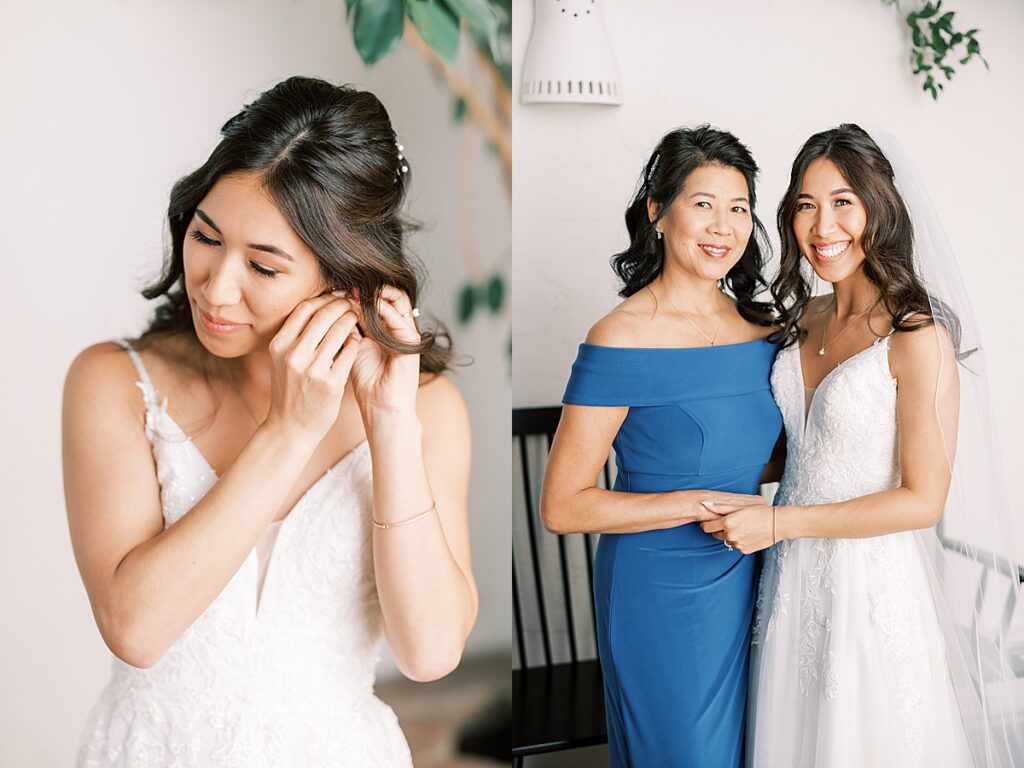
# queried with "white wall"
point(103, 104)
point(773, 72)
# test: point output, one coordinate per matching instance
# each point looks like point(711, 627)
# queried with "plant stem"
point(495, 128)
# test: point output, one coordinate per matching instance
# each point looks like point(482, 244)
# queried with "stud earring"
point(659, 233)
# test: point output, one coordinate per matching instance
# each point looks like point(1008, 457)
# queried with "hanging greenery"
point(935, 43)
point(482, 97)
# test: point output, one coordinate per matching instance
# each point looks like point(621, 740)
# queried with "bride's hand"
point(312, 356)
point(384, 382)
point(703, 505)
point(748, 528)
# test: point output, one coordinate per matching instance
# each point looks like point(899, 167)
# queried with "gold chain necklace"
point(824, 327)
point(245, 405)
point(236, 390)
point(709, 339)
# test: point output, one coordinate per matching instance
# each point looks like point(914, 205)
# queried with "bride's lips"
point(219, 325)
point(714, 250)
point(831, 251)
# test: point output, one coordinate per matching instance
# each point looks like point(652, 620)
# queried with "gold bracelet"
point(775, 509)
point(412, 519)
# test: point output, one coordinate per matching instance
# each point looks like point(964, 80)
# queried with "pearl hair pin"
point(402, 167)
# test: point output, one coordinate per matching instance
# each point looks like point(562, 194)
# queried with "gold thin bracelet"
point(412, 519)
point(775, 509)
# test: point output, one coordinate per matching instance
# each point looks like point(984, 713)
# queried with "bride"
point(856, 659)
point(290, 488)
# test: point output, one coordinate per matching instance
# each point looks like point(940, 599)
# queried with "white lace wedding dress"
point(848, 668)
point(277, 679)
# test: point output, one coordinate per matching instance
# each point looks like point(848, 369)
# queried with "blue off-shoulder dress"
point(674, 607)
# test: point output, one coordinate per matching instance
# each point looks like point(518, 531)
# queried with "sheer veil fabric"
point(973, 555)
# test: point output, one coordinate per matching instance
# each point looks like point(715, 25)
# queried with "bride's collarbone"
point(817, 367)
point(219, 426)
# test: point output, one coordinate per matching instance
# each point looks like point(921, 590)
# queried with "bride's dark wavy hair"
point(329, 159)
point(678, 154)
point(888, 239)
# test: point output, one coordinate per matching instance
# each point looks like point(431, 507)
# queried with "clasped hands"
point(746, 527)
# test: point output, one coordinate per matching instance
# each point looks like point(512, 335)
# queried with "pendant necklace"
point(824, 327)
point(709, 339)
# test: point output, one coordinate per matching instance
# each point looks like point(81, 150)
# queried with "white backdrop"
point(103, 105)
point(773, 72)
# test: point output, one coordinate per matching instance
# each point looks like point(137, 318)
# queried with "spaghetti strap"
point(146, 384)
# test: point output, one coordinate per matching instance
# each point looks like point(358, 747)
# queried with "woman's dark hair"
point(328, 157)
point(678, 154)
point(888, 239)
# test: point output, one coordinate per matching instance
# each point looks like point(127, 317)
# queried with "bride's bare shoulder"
point(106, 371)
point(924, 350)
point(102, 378)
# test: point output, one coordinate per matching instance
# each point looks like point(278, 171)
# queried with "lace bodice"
point(846, 445)
point(285, 682)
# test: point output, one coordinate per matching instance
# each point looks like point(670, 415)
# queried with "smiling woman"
point(667, 380)
point(246, 542)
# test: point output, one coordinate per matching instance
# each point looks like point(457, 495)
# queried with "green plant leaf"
point(437, 25)
point(467, 302)
point(933, 41)
point(495, 293)
point(377, 27)
point(479, 16)
point(476, 13)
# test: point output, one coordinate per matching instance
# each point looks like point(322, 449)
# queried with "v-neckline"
point(329, 471)
point(824, 379)
point(260, 593)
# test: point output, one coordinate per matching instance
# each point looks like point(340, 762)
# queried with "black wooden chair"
point(557, 690)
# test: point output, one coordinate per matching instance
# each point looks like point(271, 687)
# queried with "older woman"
point(675, 378)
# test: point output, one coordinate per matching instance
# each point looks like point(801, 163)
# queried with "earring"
point(659, 233)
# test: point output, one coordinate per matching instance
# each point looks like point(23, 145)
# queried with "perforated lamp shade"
point(569, 57)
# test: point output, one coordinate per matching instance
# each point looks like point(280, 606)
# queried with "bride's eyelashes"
point(199, 237)
point(838, 203)
point(263, 270)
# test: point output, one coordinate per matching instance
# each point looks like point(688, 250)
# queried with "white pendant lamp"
point(570, 57)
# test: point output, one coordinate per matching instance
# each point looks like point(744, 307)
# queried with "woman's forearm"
point(877, 514)
point(163, 585)
point(425, 597)
point(596, 510)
